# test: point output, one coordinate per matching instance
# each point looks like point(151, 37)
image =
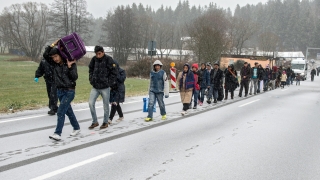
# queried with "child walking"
point(159, 87)
point(283, 79)
point(117, 96)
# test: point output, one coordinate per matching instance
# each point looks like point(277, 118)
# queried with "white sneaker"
point(75, 132)
point(55, 137)
point(183, 113)
point(109, 122)
point(120, 119)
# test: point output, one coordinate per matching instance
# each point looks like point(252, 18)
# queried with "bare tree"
point(240, 31)
point(120, 26)
point(68, 16)
point(268, 42)
point(26, 25)
point(209, 35)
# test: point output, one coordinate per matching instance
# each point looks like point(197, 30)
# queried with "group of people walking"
point(107, 79)
point(105, 76)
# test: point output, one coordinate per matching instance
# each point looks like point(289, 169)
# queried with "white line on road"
point(77, 110)
point(68, 168)
point(250, 102)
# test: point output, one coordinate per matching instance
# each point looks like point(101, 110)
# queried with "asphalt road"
point(273, 135)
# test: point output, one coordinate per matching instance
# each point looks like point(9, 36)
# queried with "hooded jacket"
point(204, 78)
point(64, 77)
point(217, 79)
point(103, 72)
point(118, 94)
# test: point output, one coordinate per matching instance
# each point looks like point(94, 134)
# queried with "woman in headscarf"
point(186, 85)
point(231, 81)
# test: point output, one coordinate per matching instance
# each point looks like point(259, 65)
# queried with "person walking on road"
point(318, 71)
point(117, 96)
point(245, 78)
point(283, 79)
point(196, 86)
point(293, 77)
point(186, 84)
point(159, 87)
point(102, 76)
point(266, 79)
point(254, 78)
point(209, 96)
point(65, 76)
point(261, 76)
point(273, 77)
point(231, 81)
point(216, 77)
point(289, 74)
point(45, 69)
point(204, 82)
point(313, 73)
point(298, 79)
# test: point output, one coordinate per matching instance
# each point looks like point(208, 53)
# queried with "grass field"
point(18, 91)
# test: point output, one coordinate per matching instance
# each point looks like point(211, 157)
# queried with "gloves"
point(36, 80)
point(166, 96)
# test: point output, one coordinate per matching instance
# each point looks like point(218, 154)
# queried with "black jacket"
point(45, 69)
point(103, 72)
point(118, 95)
point(245, 72)
point(64, 77)
point(230, 81)
point(217, 80)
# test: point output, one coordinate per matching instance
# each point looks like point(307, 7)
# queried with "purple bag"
point(72, 47)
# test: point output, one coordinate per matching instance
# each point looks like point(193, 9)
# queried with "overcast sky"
point(99, 8)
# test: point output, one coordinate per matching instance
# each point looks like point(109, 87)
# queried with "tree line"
point(208, 31)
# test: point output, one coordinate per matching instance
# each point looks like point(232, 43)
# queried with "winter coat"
point(186, 85)
point(203, 78)
point(230, 83)
point(274, 75)
point(45, 69)
point(298, 78)
point(245, 72)
point(267, 74)
point(289, 72)
point(217, 80)
point(118, 94)
point(283, 78)
point(64, 77)
point(103, 72)
point(313, 72)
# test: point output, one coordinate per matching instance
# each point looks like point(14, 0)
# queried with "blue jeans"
point(94, 94)
point(201, 92)
point(195, 97)
point(65, 98)
point(152, 100)
point(288, 81)
point(214, 92)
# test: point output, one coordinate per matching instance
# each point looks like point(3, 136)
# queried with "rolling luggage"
point(72, 47)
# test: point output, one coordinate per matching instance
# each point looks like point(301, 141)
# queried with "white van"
point(300, 66)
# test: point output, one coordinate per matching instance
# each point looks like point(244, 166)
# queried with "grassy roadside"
point(18, 91)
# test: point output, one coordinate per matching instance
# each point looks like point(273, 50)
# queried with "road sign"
point(152, 45)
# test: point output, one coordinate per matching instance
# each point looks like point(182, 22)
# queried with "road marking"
point(68, 168)
point(19, 119)
point(249, 103)
point(30, 117)
point(284, 90)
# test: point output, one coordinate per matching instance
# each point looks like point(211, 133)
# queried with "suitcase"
point(72, 47)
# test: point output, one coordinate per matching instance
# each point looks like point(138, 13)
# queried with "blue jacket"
point(189, 83)
point(204, 78)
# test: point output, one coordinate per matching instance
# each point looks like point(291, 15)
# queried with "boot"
point(226, 96)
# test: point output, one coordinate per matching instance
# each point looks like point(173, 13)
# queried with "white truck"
point(300, 66)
